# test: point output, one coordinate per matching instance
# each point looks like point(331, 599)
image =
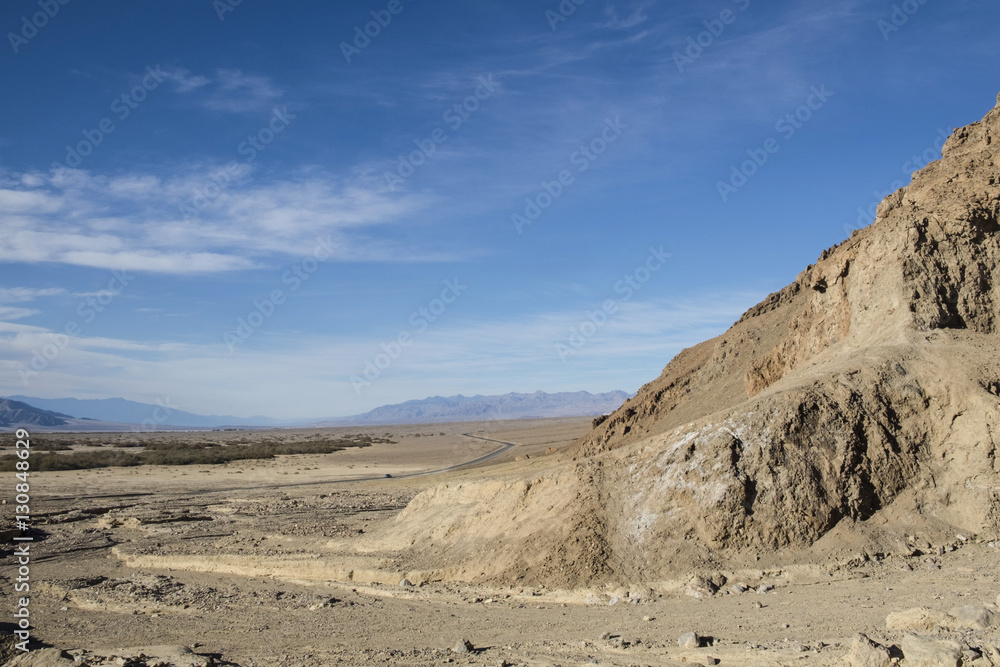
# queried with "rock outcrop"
point(869, 386)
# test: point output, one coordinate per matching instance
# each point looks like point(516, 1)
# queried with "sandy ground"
point(235, 561)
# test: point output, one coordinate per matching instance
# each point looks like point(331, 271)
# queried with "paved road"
point(505, 446)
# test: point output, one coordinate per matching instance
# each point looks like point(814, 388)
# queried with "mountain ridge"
point(17, 413)
point(480, 407)
point(123, 411)
point(458, 408)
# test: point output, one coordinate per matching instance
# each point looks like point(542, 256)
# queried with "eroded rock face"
point(870, 382)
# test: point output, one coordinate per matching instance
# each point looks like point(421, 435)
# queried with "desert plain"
point(264, 563)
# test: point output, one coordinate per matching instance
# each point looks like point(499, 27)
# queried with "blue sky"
point(222, 205)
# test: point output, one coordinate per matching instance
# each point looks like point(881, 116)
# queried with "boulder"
point(974, 617)
point(921, 619)
point(925, 652)
point(867, 653)
point(700, 588)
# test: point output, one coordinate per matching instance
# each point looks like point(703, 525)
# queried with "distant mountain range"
point(483, 408)
point(120, 411)
point(117, 412)
point(16, 413)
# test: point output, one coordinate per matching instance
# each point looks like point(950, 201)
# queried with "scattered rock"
point(689, 640)
point(925, 652)
point(764, 588)
point(174, 656)
point(739, 588)
point(463, 646)
point(711, 661)
point(405, 583)
point(917, 618)
point(867, 653)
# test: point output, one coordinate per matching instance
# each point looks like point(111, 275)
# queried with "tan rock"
point(699, 588)
point(974, 617)
point(917, 618)
point(925, 652)
point(175, 656)
point(867, 653)
point(46, 657)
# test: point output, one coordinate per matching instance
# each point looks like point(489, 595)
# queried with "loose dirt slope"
point(858, 403)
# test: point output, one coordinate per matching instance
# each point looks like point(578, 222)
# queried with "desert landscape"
point(502, 334)
point(256, 563)
point(817, 486)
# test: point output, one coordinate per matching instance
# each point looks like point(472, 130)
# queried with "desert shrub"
point(179, 454)
point(51, 447)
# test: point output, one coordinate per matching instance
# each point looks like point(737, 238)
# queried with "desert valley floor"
point(245, 564)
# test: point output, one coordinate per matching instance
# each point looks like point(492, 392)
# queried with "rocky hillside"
point(859, 402)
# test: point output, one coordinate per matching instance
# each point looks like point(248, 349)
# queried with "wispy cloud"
point(184, 81)
point(9, 295)
point(226, 89)
point(135, 222)
point(236, 91)
point(631, 19)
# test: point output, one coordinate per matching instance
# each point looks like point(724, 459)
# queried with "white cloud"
point(13, 313)
point(25, 294)
point(184, 81)
point(24, 201)
point(136, 222)
point(238, 92)
point(227, 89)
